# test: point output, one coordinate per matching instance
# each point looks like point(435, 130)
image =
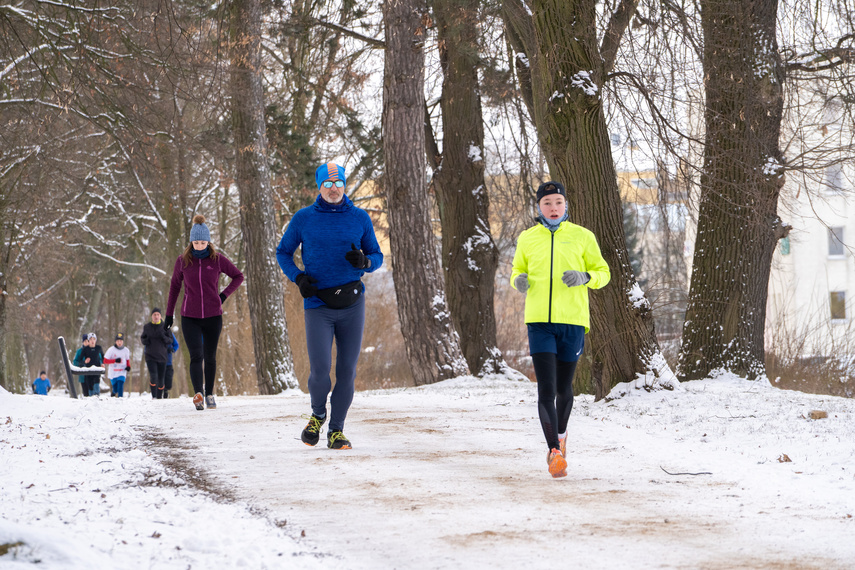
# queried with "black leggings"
point(157, 376)
point(554, 394)
point(201, 337)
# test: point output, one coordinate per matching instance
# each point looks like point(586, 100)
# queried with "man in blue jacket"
point(41, 385)
point(338, 247)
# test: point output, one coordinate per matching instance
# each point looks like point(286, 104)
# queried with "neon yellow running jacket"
point(544, 256)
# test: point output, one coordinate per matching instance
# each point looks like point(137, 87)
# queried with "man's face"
point(334, 193)
point(553, 206)
point(43, 376)
point(119, 343)
point(155, 317)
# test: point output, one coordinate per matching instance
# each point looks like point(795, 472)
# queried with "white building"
point(812, 283)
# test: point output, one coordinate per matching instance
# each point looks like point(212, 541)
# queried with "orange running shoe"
point(562, 445)
point(557, 464)
point(198, 400)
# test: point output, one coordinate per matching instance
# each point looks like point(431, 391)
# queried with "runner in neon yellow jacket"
point(555, 264)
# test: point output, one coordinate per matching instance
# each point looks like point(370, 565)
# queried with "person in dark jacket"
point(199, 269)
point(78, 361)
point(92, 355)
point(339, 246)
point(157, 341)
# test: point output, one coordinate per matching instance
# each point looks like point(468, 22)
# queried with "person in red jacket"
point(199, 269)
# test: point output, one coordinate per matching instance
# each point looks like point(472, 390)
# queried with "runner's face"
point(333, 194)
point(199, 245)
point(119, 343)
point(155, 317)
point(553, 206)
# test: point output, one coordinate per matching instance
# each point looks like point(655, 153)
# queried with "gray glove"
point(521, 282)
point(575, 278)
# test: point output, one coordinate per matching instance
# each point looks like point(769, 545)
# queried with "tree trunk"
point(273, 363)
point(469, 255)
point(738, 223)
point(433, 348)
point(561, 82)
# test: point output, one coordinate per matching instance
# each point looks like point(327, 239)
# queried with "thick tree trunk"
point(562, 78)
point(738, 223)
point(433, 348)
point(273, 362)
point(469, 255)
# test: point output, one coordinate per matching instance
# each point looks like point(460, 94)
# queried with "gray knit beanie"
point(199, 231)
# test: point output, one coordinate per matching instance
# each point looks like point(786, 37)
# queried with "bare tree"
point(562, 69)
point(273, 361)
point(469, 254)
point(433, 348)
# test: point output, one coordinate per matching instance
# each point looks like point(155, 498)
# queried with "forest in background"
point(120, 122)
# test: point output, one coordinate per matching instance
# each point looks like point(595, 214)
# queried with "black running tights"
point(554, 394)
point(201, 337)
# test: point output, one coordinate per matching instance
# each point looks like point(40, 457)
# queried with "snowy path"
point(454, 475)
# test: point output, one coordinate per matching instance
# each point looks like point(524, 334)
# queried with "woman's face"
point(553, 206)
point(199, 245)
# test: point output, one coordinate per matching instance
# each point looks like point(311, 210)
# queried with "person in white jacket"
point(117, 360)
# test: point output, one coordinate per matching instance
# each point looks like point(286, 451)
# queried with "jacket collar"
point(323, 206)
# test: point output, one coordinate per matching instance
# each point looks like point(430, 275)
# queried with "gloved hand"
point(573, 278)
point(222, 298)
point(305, 283)
point(128, 368)
point(118, 360)
point(356, 257)
point(521, 282)
point(167, 323)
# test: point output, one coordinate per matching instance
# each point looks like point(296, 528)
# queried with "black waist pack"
point(342, 296)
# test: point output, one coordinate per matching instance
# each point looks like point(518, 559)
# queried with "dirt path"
point(456, 479)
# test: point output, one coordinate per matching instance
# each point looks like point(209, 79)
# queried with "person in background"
point(78, 362)
point(117, 359)
point(555, 264)
point(41, 385)
point(170, 371)
point(328, 232)
point(92, 355)
point(199, 269)
point(157, 341)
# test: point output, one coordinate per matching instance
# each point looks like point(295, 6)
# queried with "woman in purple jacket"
point(199, 268)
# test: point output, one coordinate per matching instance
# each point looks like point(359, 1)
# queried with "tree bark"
point(469, 255)
point(273, 362)
point(563, 72)
point(738, 223)
point(433, 348)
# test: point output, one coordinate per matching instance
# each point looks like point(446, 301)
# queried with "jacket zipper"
point(201, 292)
point(551, 257)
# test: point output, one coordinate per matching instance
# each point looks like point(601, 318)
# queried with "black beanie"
point(155, 310)
point(550, 187)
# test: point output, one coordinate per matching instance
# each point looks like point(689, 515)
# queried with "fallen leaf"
point(784, 458)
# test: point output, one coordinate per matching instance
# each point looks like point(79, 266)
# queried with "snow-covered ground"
point(445, 476)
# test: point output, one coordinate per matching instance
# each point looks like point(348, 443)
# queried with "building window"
point(785, 246)
point(837, 302)
point(835, 241)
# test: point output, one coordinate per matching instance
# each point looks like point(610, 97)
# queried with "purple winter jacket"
point(202, 286)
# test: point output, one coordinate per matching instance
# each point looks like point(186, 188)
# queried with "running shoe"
point(336, 440)
point(199, 401)
point(312, 432)
point(210, 403)
point(562, 445)
point(557, 463)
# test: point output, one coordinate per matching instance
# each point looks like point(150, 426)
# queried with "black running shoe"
point(336, 440)
point(312, 433)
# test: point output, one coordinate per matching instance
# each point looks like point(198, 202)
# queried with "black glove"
point(118, 360)
point(305, 283)
point(222, 298)
point(128, 368)
point(356, 257)
point(167, 323)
